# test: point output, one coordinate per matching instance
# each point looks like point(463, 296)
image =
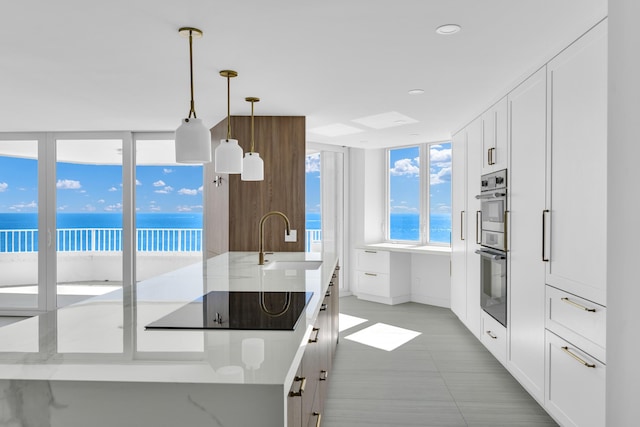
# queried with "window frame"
point(424, 154)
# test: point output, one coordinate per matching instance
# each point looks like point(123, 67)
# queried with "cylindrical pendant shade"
point(228, 157)
point(252, 167)
point(193, 142)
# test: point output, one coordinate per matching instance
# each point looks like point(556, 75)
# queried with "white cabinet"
point(575, 384)
point(495, 137)
point(474, 148)
point(577, 165)
point(578, 320)
point(459, 234)
point(494, 337)
point(526, 269)
point(383, 276)
point(465, 231)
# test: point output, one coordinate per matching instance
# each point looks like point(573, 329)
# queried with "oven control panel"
point(494, 181)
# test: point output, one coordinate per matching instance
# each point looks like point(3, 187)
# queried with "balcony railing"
point(110, 240)
point(105, 240)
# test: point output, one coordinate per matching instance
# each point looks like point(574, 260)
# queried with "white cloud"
point(113, 189)
point(20, 206)
point(159, 183)
point(312, 163)
point(68, 184)
point(436, 155)
point(200, 189)
point(101, 201)
point(138, 182)
point(63, 207)
point(166, 190)
point(440, 177)
point(89, 208)
point(404, 167)
point(155, 208)
point(3, 186)
point(187, 192)
point(167, 171)
point(184, 209)
point(403, 209)
point(112, 208)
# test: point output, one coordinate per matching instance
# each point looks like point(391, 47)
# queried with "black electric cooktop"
point(238, 310)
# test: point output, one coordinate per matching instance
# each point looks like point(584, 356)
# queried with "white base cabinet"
point(575, 384)
point(383, 276)
point(494, 337)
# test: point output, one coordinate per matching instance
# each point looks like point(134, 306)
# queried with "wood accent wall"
point(280, 141)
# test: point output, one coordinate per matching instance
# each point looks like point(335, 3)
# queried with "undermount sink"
point(293, 265)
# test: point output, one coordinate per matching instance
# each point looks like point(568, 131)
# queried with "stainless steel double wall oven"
point(493, 239)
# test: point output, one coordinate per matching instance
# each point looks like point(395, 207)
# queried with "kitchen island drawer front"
point(577, 320)
point(494, 337)
point(373, 261)
point(377, 284)
point(575, 392)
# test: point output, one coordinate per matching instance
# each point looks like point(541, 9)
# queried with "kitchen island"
point(95, 364)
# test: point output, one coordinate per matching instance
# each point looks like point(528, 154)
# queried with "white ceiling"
point(71, 65)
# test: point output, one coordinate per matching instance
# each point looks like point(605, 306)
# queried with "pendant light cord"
point(193, 108)
point(228, 107)
point(252, 143)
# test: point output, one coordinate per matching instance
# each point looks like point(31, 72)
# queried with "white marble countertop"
point(104, 338)
point(410, 248)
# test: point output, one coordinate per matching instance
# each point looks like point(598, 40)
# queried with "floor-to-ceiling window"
point(313, 205)
point(19, 224)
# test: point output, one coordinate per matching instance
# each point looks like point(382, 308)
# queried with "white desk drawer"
point(373, 261)
point(377, 284)
point(575, 391)
point(494, 337)
point(576, 319)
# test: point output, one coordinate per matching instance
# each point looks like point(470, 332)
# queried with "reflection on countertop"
point(104, 338)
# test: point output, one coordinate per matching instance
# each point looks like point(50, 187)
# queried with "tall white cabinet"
point(577, 158)
point(495, 141)
point(459, 234)
point(526, 268)
point(465, 232)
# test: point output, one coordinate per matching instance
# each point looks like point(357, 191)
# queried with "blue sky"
point(98, 188)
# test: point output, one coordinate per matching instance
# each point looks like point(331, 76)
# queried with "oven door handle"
point(490, 196)
point(490, 255)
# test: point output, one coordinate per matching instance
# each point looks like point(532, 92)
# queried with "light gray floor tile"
point(443, 377)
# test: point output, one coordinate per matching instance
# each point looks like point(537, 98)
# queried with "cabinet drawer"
point(373, 261)
point(377, 284)
point(578, 320)
point(575, 392)
point(494, 337)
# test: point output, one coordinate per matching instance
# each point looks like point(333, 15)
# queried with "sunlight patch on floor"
point(62, 290)
point(346, 322)
point(383, 336)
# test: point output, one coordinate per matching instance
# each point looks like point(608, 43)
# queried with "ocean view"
point(407, 227)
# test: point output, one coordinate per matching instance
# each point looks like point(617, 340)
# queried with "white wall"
point(367, 193)
point(623, 234)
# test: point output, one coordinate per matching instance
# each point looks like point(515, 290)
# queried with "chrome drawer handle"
point(491, 335)
point(370, 274)
point(579, 359)
point(371, 252)
point(575, 304)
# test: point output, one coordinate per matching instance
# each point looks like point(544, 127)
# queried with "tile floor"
point(442, 377)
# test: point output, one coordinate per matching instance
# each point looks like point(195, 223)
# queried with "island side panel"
point(108, 404)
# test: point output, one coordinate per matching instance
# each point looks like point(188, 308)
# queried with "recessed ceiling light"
point(416, 91)
point(447, 29)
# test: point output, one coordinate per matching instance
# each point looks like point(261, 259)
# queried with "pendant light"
point(228, 153)
point(193, 139)
point(252, 164)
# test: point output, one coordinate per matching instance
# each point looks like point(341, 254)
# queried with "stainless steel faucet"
point(261, 237)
